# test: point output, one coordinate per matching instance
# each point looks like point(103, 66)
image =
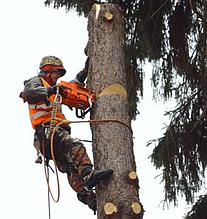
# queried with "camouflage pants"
point(70, 154)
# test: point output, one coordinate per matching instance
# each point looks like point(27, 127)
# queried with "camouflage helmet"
point(54, 62)
point(51, 60)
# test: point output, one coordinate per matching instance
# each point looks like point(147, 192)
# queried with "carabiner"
point(58, 97)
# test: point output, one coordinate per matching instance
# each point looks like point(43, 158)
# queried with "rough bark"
point(112, 141)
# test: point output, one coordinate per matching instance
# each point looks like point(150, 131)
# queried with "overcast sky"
point(28, 32)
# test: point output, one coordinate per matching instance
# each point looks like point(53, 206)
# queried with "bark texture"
point(112, 141)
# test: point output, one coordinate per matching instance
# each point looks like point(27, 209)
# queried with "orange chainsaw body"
point(75, 95)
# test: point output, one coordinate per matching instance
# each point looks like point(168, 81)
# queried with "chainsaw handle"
point(81, 113)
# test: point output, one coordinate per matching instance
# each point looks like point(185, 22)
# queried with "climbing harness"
point(56, 105)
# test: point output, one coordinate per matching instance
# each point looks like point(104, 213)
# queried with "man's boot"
point(91, 177)
point(95, 176)
point(88, 198)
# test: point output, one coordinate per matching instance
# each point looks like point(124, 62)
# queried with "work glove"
point(76, 81)
point(82, 75)
point(51, 90)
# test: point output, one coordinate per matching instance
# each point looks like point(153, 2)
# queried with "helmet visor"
point(54, 68)
point(61, 71)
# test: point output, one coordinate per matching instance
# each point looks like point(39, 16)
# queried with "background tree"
point(172, 36)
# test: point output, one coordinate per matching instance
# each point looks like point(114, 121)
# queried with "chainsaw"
point(77, 96)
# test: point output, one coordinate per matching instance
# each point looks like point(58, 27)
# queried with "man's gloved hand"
point(52, 90)
point(76, 81)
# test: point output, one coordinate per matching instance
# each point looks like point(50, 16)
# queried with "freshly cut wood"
point(110, 208)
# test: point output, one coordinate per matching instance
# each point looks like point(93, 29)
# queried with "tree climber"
point(70, 154)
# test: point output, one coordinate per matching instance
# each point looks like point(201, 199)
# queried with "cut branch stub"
point(108, 16)
point(110, 208)
point(136, 207)
point(132, 175)
point(98, 8)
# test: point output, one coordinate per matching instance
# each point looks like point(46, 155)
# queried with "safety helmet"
point(51, 63)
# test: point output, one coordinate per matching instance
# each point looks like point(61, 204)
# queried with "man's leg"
point(83, 195)
point(76, 154)
point(84, 166)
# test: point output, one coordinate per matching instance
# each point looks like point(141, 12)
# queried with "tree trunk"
point(117, 198)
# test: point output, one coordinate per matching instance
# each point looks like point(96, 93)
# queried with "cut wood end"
point(132, 175)
point(98, 8)
point(110, 208)
point(108, 16)
point(136, 207)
